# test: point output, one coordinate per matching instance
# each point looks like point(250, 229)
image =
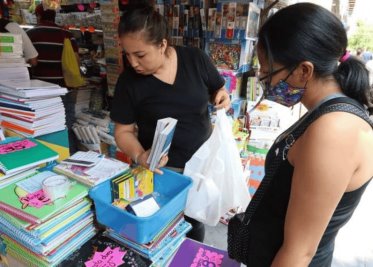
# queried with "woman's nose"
point(132, 61)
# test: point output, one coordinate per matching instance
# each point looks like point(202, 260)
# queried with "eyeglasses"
point(271, 74)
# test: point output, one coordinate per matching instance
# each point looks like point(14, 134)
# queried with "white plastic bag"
point(218, 179)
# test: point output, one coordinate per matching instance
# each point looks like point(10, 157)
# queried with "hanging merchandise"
point(51, 4)
point(217, 174)
point(70, 67)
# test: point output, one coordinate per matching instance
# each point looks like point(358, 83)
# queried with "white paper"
point(34, 183)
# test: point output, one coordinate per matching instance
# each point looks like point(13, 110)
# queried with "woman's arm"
point(324, 162)
point(126, 139)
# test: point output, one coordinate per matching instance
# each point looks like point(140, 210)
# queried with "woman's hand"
point(143, 157)
point(222, 99)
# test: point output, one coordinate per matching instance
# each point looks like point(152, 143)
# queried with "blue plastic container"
point(171, 193)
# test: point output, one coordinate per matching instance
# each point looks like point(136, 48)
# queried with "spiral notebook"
point(193, 252)
point(46, 245)
point(13, 202)
point(28, 257)
point(22, 154)
point(37, 230)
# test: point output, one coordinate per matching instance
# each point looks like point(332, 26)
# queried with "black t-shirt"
point(145, 99)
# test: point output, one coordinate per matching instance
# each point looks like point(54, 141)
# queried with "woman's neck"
point(319, 89)
point(168, 59)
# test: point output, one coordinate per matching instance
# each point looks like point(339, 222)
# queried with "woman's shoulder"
point(13, 27)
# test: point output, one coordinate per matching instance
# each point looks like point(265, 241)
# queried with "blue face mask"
point(282, 92)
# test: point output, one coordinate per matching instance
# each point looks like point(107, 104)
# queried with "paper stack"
point(81, 98)
point(162, 140)
point(39, 231)
point(32, 107)
point(96, 249)
point(18, 155)
point(92, 128)
point(12, 63)
point(101, 170)
point(160, 250)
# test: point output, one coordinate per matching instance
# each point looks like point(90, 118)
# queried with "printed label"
point(207, 258)
point(6, 49)
point(6, 39)
point(16, 146)
point(37, 200)
point(108, 258)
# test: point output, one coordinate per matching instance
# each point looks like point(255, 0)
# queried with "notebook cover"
point(12, 196)
point(40, 229)
point(27, 256)
point(151, 248)
point(193, 253)
point(35, 244)
point(24, 153)
point(178, 233)
point(112, 166)
point(100, 243)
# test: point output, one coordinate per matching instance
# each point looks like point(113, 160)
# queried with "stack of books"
point(92, 128)
point(110, 17)
point(78, 167)
point(32, 107)
point(20, 157)
point(38, 231)
point(162, 140)
point(100, 250)
point(81, 98)
point(12, 63)
point(161, 249)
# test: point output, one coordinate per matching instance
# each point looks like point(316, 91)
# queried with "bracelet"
point(136, 158)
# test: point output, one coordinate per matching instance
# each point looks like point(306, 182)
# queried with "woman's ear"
point(305, 71)
point(164, 46)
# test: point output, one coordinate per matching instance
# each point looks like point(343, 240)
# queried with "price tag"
point(108, 258)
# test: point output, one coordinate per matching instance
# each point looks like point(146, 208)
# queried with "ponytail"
point(353, 78)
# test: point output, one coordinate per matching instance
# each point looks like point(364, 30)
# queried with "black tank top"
point(267, 222)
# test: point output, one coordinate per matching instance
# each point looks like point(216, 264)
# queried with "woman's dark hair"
point(308, 32)
point(144, 18)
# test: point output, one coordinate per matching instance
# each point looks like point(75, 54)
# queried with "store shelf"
point(72, 29)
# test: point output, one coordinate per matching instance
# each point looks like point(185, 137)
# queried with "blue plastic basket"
point(172, 190)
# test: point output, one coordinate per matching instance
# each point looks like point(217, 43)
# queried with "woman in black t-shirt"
point(163, 81)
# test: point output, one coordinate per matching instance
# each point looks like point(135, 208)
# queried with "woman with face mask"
point(317, 170)
point(163, 81)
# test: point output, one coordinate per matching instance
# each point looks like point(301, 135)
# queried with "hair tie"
point(345, 56)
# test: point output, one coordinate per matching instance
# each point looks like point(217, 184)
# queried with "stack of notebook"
point(32, 107)
point(81, 98)
point(162, 140)
point(161, 249)
point(91, 168)
point(41, 232)
point(85, 256)
point(12, 63)
point(20, 156)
